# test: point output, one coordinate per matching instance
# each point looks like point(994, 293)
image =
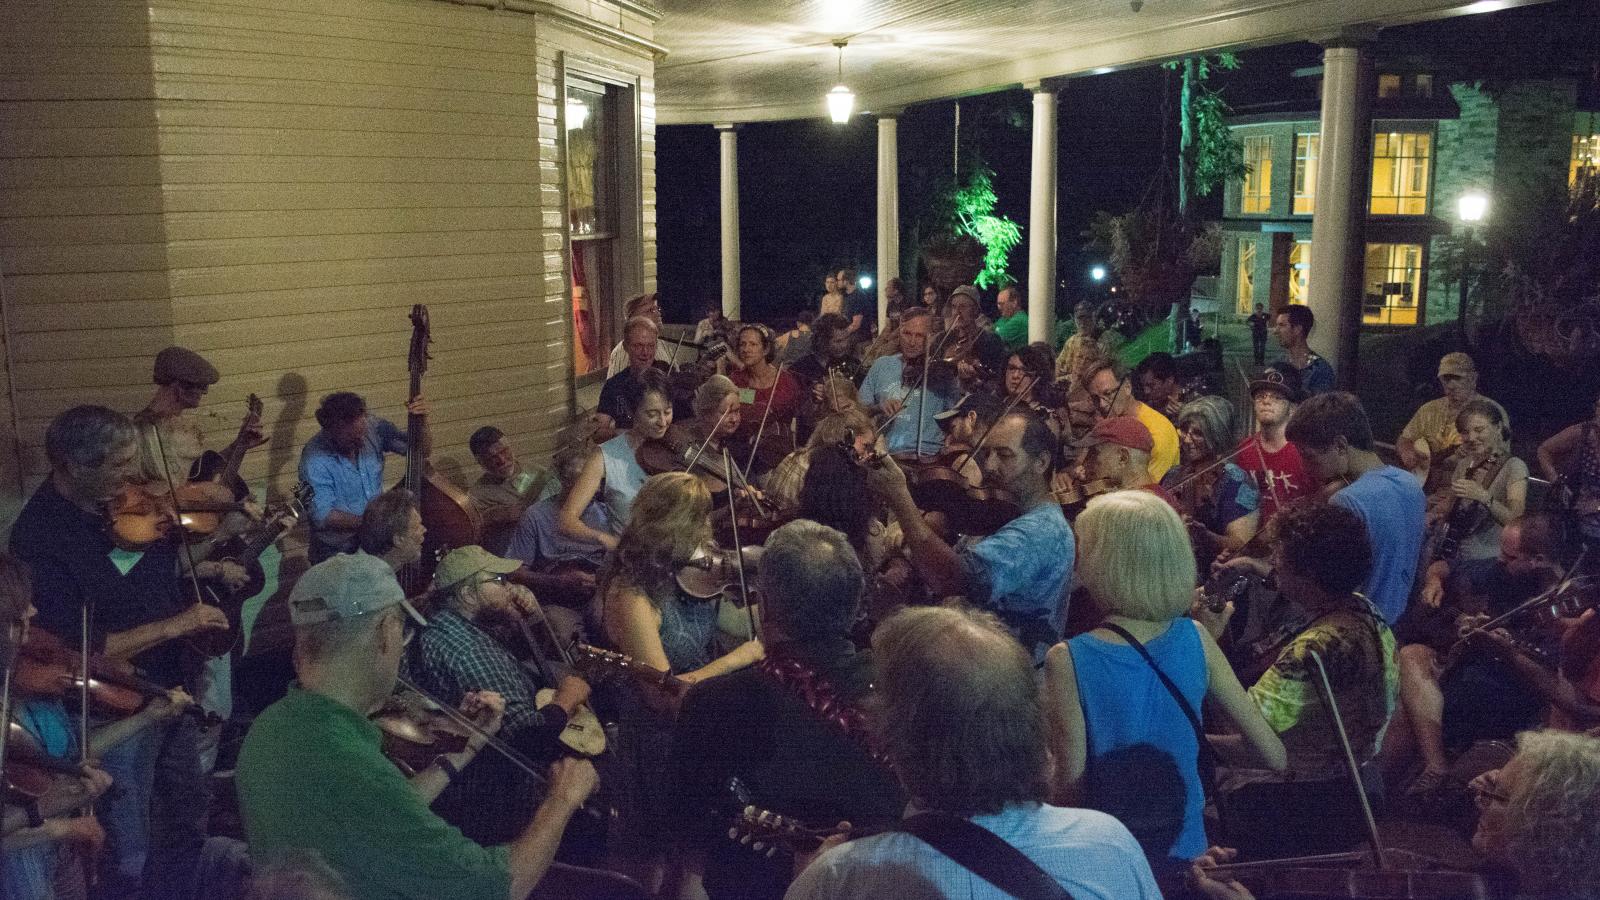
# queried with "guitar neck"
point(414, 460)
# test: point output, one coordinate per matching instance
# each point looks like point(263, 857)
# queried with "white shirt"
point(1089, 853)
point(619, 356)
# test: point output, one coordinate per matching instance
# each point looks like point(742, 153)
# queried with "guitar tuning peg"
point(758, 846)
point(733, 834)
point(772, 851)
point(745, 839)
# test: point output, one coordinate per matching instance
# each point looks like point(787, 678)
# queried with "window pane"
point(1245, 293)
point(1585, 158)
point(1306, 148)
point(1257, 194)
point(589, 179)
point(1300, 272)
point(1393, 284)
point(1388, 85)
point(1400, 173)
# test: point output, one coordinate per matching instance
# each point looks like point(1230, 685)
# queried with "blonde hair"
point(838, 428)
point(1553, 815)
point(669, 521)
point(1134, 556)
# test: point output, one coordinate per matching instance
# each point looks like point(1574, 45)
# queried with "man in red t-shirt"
point(1267, 456)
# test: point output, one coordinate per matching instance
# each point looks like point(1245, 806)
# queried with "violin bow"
point(728, 472)
point(983, 438)
point(738, 555)
point(1184, 483)
point(761, 429)
point(512, 754)
point(1325, 687)
point(1561, 585)
point(188, 549)
point(922, 391)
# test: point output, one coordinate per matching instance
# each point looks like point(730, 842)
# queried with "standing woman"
point(612, 473)
point(764, 390)
point(1123, 742)
point(1487, 489)
point(645, 615)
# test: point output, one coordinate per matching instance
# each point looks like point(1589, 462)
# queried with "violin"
point(414, 735)
point(1074, 495)
point(116, 687)
point(29, 771)
point(138, 518)
point(940, 375)
point(712, 571)
point(676, 451)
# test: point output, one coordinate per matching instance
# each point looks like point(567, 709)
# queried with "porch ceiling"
point(754, 60)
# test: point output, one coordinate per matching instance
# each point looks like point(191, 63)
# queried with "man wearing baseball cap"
point(1267, 456)
point(962, 426)
point(1119, 452)
point(312, 774)
point(1428, 441)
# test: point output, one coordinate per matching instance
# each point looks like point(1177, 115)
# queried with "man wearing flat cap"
point(1428, 442)
point(171, 440)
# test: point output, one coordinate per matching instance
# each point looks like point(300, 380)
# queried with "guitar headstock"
point(596, 664)
point(421, 337)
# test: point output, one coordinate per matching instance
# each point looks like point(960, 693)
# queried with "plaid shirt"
point(451, 658)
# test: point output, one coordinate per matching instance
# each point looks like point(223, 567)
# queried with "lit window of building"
point(1257, 194)
point(1400, 164)
point(1300, 272)
point(1306, 147)
point(1388, 85)
point(1393, 284)
point(1245, 295)
point(1585, 158)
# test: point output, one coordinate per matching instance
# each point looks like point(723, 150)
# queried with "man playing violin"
point(343, 464)
point(456, 654)
point(962, 427)
point(1118, 454)
point(979, 354)
point(1020, 572)
point(830, 356)
point(137, 613)
point(898, 387)
point(312, 774)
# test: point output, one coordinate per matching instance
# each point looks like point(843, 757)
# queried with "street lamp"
point(1471, 208)
point(1098, 273)
point(865, 282)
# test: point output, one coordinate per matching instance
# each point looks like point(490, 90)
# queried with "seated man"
point(561, 569)
point(961, 721)
point(791, 727)
point(312, 774)
point(1022, 571)
point(391, 529)
point(505, 490)
point(457, 654)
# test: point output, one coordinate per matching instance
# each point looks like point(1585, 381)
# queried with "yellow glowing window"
point(1257, 195)
point(1306, 147)
point(1585, 158)
point(1300, 272)
point(1388, 85)
point(1245, 296)
point(1400, 162)
point(1393, 284)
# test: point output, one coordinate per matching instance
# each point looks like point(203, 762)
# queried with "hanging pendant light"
point(841, 100)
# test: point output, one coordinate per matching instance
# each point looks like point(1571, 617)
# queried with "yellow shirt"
point(1435, 422)
point(1165, 454)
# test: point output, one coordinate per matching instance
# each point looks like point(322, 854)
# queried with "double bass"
point(446, 513)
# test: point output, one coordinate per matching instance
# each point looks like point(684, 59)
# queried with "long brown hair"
point(669, 521)
point(16, 593)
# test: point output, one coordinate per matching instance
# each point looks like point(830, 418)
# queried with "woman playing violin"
point(646, 615)
point(770, 396)
point(1216, 495)
point(612, 473)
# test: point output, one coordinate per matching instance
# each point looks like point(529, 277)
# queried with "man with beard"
point(979, 354)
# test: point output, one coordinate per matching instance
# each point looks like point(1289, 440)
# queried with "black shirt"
point(620, 395)
point(749, 725)
point(71, 557)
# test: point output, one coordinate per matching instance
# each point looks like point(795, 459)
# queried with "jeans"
point(154, 816)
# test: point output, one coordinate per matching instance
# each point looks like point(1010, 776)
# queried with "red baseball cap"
point(1124, 431)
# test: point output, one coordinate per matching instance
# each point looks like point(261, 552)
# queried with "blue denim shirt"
point(338, 482)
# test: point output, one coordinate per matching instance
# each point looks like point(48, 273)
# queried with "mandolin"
point(599, 665)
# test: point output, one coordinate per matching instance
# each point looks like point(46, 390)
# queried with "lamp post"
point(1471, 208)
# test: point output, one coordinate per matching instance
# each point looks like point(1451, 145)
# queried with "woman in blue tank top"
point(612, 472)
point(1123, 743)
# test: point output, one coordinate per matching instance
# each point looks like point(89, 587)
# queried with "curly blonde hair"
point(669, 521)
point(1553, 815)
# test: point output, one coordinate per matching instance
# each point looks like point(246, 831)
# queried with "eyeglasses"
point(493, 579)
point(1486, 793)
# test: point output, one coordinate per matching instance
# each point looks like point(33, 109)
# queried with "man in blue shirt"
point(884, 392)
point(1021, 572)
point(343, 464)
point(1335, 441)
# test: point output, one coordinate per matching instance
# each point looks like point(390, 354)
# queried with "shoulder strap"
point(1208, 760)
point(986, 855)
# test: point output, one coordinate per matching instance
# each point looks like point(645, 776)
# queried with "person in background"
point(1113, 396)
point(1321, 558)
point(1088, 343)
point(979, 354)
point(1155, 383)
point(343, 465)
point(1271, 461)
point(505, 490)
point(646, 306)
point(931, 301)
point(1193, 329)
point(1292, 325)
point(711, 324)
point(795, 343)
point(1428, 443)
point(829, 356)
point(620, 393)
point(964, 727)
point(769, 396)
point(832, 300)
point(1258, 323)
point(1570, 459)
point(885, 392)
point(1012, 325)
point(894, 294)
point(1124, 742)
point(1335, 440)
point(859, 307)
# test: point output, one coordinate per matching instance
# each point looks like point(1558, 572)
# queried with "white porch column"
point(1042, 217)
point(730, 219)
point(1337, 227)
point(888, 209)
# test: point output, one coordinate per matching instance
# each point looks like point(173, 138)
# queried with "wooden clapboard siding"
point(274, 184)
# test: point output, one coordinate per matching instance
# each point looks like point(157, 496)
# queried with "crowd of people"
point(826, 613)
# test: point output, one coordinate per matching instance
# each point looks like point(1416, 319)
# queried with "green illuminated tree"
point(971, 212)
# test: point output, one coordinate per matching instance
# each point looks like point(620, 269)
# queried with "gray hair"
point(86, 435)
point(811, 580)
point(1134, 556)
point(710, 395)
point(1214, 415)
point(386, 518)
point(1553, 815)
point(640, 323)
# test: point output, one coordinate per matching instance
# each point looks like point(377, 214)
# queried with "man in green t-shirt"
point(312, 774)
point(1012, 326)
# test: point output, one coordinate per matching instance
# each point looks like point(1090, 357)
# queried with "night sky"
point(808, 188)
